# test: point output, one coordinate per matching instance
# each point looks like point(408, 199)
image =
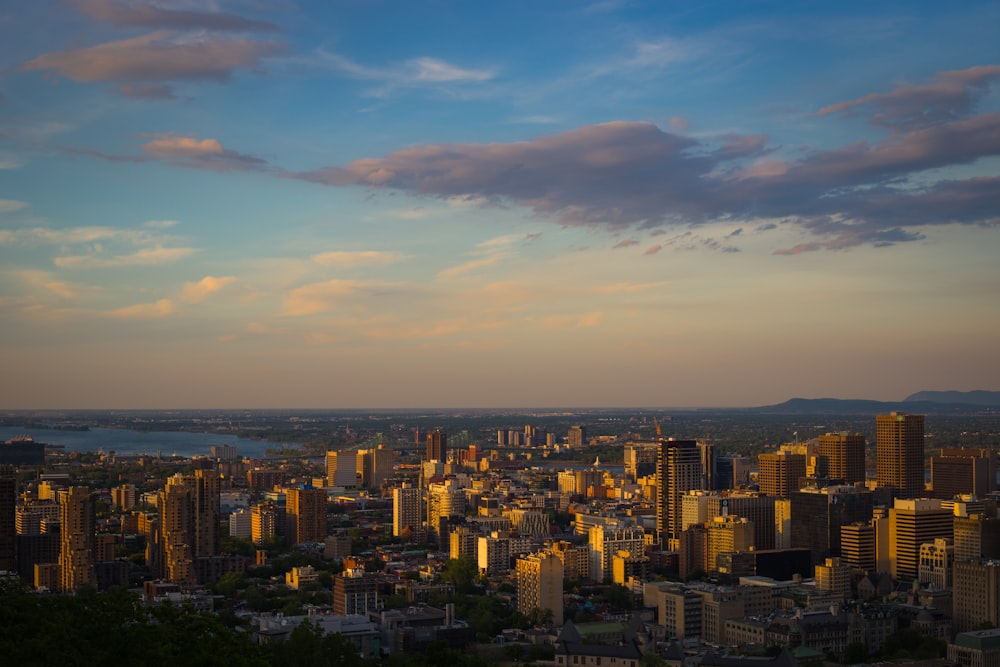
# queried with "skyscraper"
point(678, 469)
point(780, 472)
point(437, 446)
point(76, 538)
point(845, 455)
point(899, 453)
point(306, 511)
point(960, 471)
point(912, 523)
point(540, 585)
point(8, 518)
point(406, 509)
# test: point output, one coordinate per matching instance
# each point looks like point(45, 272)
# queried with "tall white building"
point(540, 585)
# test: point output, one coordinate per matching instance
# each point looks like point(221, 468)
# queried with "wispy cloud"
point(144, 311)
point(130, 14)
point(144, 257)
point(8, 205)
point(414, 73)
point(321, 297)
point(488, 253)
point(353, 258)
point(205, 153)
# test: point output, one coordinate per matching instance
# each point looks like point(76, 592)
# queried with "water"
point(122, 441)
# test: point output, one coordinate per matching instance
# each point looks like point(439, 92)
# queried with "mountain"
point(924, 402)
point(987, 398)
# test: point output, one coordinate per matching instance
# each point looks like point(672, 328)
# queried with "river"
point(123, 441)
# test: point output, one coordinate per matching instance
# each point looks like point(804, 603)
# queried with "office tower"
point(961, 471)
point(727, 534)
point(76, 538)
point(606, 542)
point(354, 592)
point(462, 542)
point(780, 472)
point(756, 508)
point(782, 523)
point(731, 472)
point(406, 509)
point(707, 453)
point(899, 453)
point(834, 576)
point(640, 460)
point(264, 521)
point(819, 513)
point(976, 595)
point(857, 546)
point(437, 446)
point(374, 466)
point(225, 452)
point(8, 522)
point(577, 436)
point(913, 522)
point(845, 456)
point(444, 500)
point(540, 585)
point(678, 470)
point(342, 469)
point(976, 536)
point(305, 508)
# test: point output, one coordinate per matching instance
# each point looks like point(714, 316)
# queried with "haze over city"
point(387, 204)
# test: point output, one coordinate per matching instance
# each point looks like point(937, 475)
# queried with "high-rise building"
point(962, 471)
point(913, 522)
point(780, 472)
point(834, 576)
point(354, 592)
point(977, 536)
point(342, 469)
point(936, 561)
point(264, 521)
point(576, 436)
point(731, 472)
point(437, 446)
point(125, 496)
point(375, 466)
point(444, 500)
point(678, 470)
point(845, 456)
point(857, 546)
point(207, 514)
point(8, 522)
point(540, 585)
point(899, 453)
point(305, 508)
point(606, 542)
point(757, 508)
point(976, 595)
point(176, 532)
point(407, 511)
point(727, 534)
point(819, 513)
point(77, 523)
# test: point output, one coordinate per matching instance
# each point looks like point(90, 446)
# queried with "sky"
point(351, 204)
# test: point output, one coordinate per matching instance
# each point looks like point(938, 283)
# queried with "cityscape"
point(578, 333)
point(546, 537)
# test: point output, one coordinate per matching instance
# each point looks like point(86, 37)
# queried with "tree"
point(460, 573)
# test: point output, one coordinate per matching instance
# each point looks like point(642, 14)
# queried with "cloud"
point(144, 311)
point(653, 249)
point(948, 96)
point(147, 15)
point(590, 320)
point(8, 205)
point(323, 296)
point(352, 258)
point(47, 281)
point(260, 329)
point(207, 154)
point(158, 57)
point(631, 288)
point(621, 175)
point(413, 73)
point(625, 243)
point(201, 290)
point(467, 267)
point(144, 257)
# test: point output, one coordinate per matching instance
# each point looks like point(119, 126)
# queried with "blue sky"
point(255, 203)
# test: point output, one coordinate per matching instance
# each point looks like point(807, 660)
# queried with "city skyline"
point(400, 205)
